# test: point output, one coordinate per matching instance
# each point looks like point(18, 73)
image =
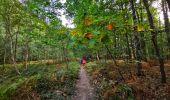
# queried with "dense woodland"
point(126, 44)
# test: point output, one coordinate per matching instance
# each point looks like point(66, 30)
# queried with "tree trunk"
point(9, 40)
point(113, 58)
point(97, 56)
point(13, 56)
point(127, 36)
point(168, 4)
point(143, 44)
point(16, 42)
point(128, 47)
point(166, 21)
point(137, 41)
point(154, 40)
point(4, 58)
point(26, 54)
point(65, 56)
point(133, 48)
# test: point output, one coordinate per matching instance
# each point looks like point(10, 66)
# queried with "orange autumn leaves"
point(88, 35)
point(91, 22)
point(87, 21)
point(110, 27)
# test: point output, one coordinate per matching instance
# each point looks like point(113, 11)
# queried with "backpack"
point(84, 61)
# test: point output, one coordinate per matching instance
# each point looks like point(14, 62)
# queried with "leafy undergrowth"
point(40, 82)
point(110, 85)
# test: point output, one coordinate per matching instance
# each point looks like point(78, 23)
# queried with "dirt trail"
point(84, 91)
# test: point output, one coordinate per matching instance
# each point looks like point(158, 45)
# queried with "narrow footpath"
point(84, 90)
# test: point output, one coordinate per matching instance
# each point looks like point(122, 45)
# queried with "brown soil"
point(84, 90)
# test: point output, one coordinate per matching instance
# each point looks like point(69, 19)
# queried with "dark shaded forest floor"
point(110, 84)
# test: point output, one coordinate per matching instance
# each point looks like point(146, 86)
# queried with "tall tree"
point(168, 3)
point(166, 21)
point(137, 41)
point(154, 40)
point(9, 12)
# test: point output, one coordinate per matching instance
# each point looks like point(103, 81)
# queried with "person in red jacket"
point(83, 61)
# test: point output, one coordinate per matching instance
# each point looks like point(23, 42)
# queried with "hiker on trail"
point(83, 61)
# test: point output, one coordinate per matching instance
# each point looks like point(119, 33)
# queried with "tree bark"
point(16, 43)
point(65, 56)
point(4, 58)
point(128, 47)
point(143, 44)
point(166, 21)
point(127, 36)
point(137, 40)
point(97, 55)
point(154, 40)
point(13, 57)
point(26, 54)
point(9, 40)
point(168, 4)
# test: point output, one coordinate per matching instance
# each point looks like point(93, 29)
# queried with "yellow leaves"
point(100, 38)
point(151, 30)
point(76, 33)
point(140, 28)
point(88, 21)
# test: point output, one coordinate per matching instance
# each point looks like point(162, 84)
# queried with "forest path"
point(84, 90)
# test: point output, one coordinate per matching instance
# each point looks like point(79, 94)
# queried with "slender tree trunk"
point(16, 43)
point(26, 54)
point(154, 40)
point(168, 4)
point(113, 58)
point(97, 56)
point(114, 38)
point(128, 47)
point(166, 21)
point(143, 44)
point(4, 58)
point(65, 56)
point(127, 36)
point(13, 56)
point(137, 41)
point(48, 57)
point(9, 40)
point(133, 48)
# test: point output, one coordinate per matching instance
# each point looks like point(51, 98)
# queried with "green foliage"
point(12, 83)
point(39, 78)
point(92, 66)
point(9, 88)
point(125, 89)
point(73, 71)
point(65, 83)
